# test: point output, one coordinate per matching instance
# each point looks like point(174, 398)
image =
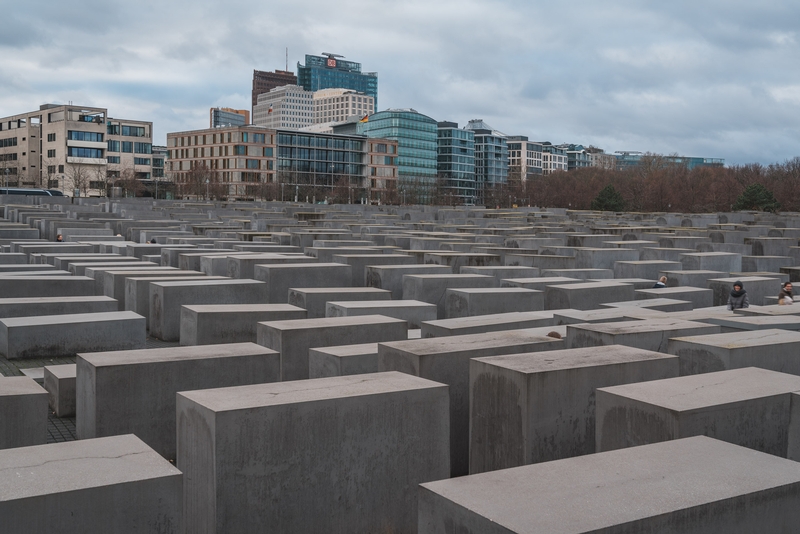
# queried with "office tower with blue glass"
point(416, 136)
point(456, 163)
point(330, 71)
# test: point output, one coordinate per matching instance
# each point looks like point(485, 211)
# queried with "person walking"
point(738, 297)
point(785, 296)
point(662, 282)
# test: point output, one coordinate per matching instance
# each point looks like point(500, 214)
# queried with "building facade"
point(491, 157)
point(288, 106)
point(331, 71)
point(456, 162)
point(632, 159)
point(416, 136)
point(524, 158)
point(338, 105)
point(577, 156)
point(251, 162)
point(228, 117)
point(264, 81)
point(554, 159)
point(78, 150)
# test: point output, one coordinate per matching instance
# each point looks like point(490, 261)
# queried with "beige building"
point(75, 149)
point(338, 105)
point(289, 106)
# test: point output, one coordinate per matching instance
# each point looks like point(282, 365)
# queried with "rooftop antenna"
point(287, 59)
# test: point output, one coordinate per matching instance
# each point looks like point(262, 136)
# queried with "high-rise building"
point(416, 135)
point(73, 148)
point(338, 105)
point(228, 117)
point(456, 162)
point(524, 158)
point(491, 156)
point(331, 71)
point(264, 81)
point(288, 106)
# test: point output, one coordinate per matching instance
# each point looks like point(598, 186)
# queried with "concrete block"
point(293, 338)
point(137, 291)
point(659, 304)
point(652, 334)
point(46, 286)
point(651, 269)
point(539, 283)
point(79, 268)
point(27, 307)
point(586, 295)
point(698, 296)
point(282, 277)
point(211, 324)
point(343, 360)
point(166, 299)
point(431, 288)
point(114, 281)
point(360, 262)
point(414, 312)
point(486, 323)
point(243, 265)
point(603, 258)
point(663, 254)
point(712, 261)
point(748, 407)
point(766, 263)
point(740, 322)
point(501, 272)
point(52, 336)
point(690, 485)
point(768, 349)
point(351, 449)
point(605, 315)
point(59, 381)
point(23, 405)
point(757, 287)
point(115, 484)
point(315, 299)
point(770, 246)
point(446, 360)
point(689, 278)
point(531, 408)
point(580, 274)
point(468, 302)
point(457, 260)
point(133, 392)
point(391, 276)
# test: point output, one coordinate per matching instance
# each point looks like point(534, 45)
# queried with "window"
point(127, 147)
point(134, 131)
point(52, 184)
point(268, 152)
point(113, 129)
point(97, 185)
point(51, 169)
point(143, 148)
point(252, 164)
point(11, 141)
point(113, 146)
point(85, 136)
point(239, 150)
point(80, 152)
point(51, 137)
point(113, 159)
point(61, 171)
point(141, 161)
point(8, 157)
point(158, 162)
point(258, 138)
point(51, 153)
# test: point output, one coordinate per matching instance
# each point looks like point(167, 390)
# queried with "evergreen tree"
point(609, 199)
point(756, 197)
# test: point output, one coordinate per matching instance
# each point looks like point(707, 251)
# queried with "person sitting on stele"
point(738, 297)
point(785, 296)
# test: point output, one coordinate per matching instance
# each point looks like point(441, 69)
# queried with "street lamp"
point(207, 181)
point(282, 184)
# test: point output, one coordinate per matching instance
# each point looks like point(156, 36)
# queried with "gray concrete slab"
point(137, 291)
point(698, 296)
point(531, 408)
point(468, 302)
point(115, 484)
point(486, 323)
point(757, 287)
point(133, 392)
point(446, 360)
point(431, 288)
point(59, 381)
point(46, 286)
point(586, 295)
point(282, 277)
point(414, 312)
point(343, 360)
point(360, 262)
point(315, 299)
point(210, 324)
point(694, 485)
point(658, 304)
point(652, 334)
point(293, 338)
point(768, 349)
point(738, 323)
point(538, 283)
point(23, 405)
point(27, 307)
point(712, 261)
point(367, 441)
point(391, 276)
point(748, 407)
point(605, 315)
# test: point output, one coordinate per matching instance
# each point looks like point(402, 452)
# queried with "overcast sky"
point(710, 78)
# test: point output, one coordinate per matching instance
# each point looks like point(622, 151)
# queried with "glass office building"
point(491, 156)
point(456, 161)
point(416, 136)
point(632, 159)
point(330, 71)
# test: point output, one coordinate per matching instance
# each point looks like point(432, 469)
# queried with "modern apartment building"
point(264, 81)
point(599, 158)
point(288, 106)
point(331, 71)
point(416, 136)
point(631, 159)
point(524, 158)
point(456, 162)
point(75, 149)
point(553, 158)
point(228, 117)
point(577, 156)
point(491, 156)
point(250, 162)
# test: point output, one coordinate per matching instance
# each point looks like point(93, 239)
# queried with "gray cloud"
point(714, 78)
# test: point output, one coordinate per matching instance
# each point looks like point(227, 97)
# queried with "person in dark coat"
point(785, 296)
point(738, 297)
point(662, 282)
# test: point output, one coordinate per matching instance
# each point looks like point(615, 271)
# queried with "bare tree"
point(131, 186)
point(79, 175)
point(197, 182)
